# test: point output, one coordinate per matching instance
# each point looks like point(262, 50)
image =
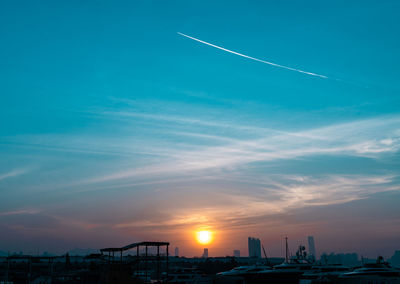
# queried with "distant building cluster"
point(236, 253)
point(254, 247)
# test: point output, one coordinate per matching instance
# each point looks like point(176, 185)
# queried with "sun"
point(204, 237)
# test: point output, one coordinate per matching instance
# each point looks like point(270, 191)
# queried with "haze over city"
point(133, 121)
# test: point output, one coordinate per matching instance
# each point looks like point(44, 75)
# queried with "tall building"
point(311, 247)
point(176, 251)
point(205, 253)
point(236, 253)
point(254, 247)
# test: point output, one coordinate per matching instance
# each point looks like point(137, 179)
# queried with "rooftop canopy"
point(134, 245)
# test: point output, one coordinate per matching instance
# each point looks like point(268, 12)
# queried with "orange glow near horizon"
point(204, 237)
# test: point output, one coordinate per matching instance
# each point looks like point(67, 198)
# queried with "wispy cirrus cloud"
point(364, 138)
point(271, 196)
point(13, 173)
point(19, 212)
point(178, 151)
point(227, 161)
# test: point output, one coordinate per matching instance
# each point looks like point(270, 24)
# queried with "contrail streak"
point(253, 58)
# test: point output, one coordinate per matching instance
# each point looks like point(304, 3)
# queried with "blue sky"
point(114, 128)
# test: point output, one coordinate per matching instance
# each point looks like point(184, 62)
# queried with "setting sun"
point(204, 237)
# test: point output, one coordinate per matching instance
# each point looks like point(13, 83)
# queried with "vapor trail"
point(253, 58)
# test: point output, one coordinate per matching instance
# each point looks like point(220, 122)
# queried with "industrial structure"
point(141, 261)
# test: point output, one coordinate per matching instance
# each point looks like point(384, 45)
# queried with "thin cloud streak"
point(20, 212)
point(253, 58)
point(184, 120)
point(13, 173)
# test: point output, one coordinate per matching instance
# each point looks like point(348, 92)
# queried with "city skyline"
point(153, 121)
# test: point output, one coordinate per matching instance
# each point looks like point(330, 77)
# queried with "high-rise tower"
point(205, 253)
point(254, 247)
point(176, 251)
point(311, 247)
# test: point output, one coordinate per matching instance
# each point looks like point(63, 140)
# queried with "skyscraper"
point(176, 251)
point(254, 247)
point(311, 247)
point(205, 253)
point(236, 253)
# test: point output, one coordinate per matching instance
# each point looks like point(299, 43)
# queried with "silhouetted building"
point(236, 253)
point(176, 251)
point(311, 247)
point(254, 247)
point(205, 253)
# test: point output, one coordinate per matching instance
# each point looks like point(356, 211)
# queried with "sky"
point(115, 128)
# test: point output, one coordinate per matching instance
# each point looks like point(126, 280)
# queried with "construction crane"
point(265, 255)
